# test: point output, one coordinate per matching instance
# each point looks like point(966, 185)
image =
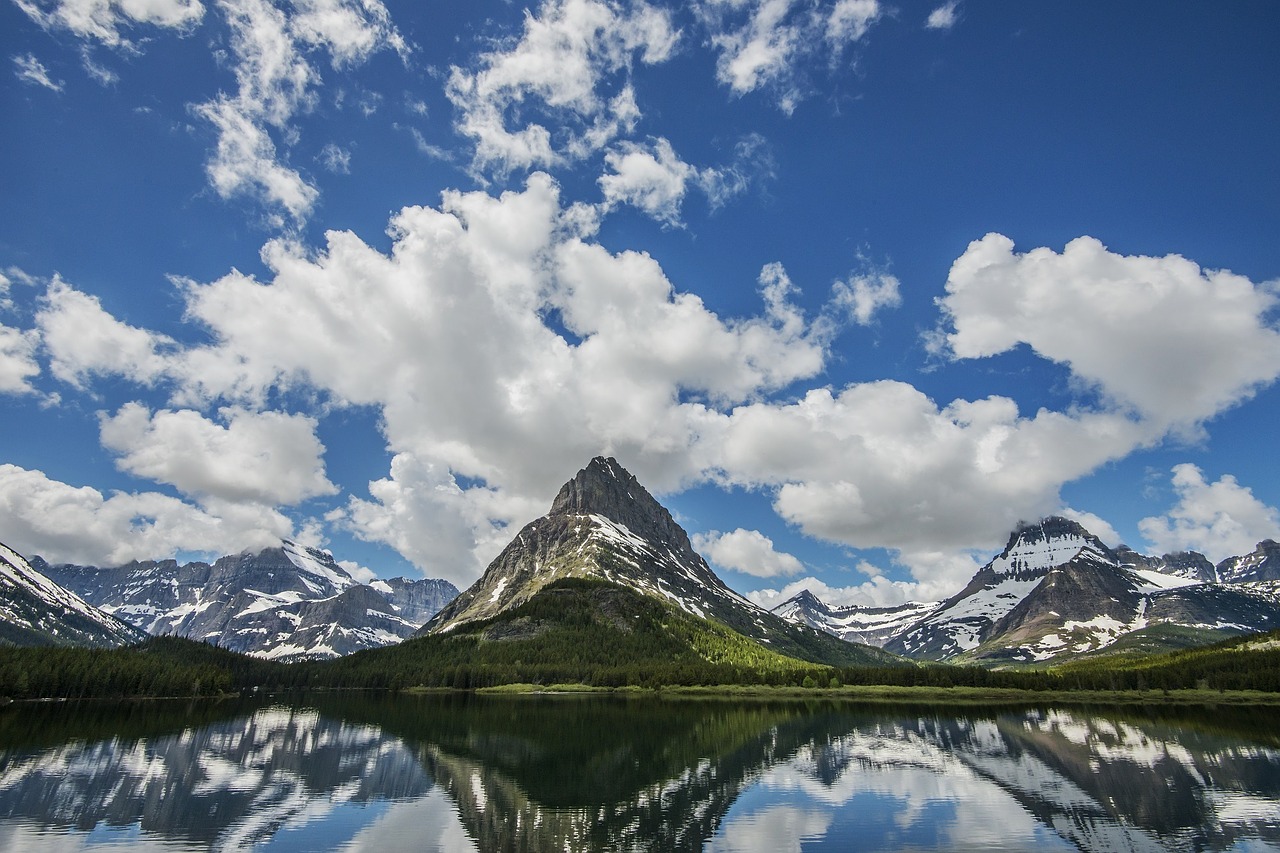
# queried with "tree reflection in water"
point(589, 773)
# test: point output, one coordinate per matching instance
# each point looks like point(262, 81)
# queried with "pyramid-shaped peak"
point(1050, 542)
point(605, 488)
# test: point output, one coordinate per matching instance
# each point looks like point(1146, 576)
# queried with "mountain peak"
point(607, 489)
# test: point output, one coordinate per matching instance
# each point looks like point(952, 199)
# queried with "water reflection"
point(466, 773)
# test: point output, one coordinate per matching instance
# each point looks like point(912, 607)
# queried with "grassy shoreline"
point(898, 695)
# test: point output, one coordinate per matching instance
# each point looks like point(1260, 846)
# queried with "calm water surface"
point(466, 773)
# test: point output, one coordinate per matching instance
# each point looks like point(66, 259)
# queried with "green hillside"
point(593, 632)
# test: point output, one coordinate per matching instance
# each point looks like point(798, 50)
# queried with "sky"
point(852, 286)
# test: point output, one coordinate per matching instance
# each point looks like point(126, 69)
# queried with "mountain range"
point(1056, 591)
point(610, 558)
point(285, 603)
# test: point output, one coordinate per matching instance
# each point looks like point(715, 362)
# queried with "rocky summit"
point(603, 524)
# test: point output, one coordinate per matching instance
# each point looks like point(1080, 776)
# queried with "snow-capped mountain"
point(1261, 565)
point(286, 603)
point(603, 524)
point(1057, 590)
point(873, 626)
point(35, 611)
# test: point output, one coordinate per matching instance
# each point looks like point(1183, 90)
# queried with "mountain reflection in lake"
point(573, 773)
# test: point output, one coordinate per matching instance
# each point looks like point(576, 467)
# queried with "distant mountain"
point(873, 626)
point(1261, 565)
point(286, 603)
point(35, 611)
point(1057, 592)
point(604, 525)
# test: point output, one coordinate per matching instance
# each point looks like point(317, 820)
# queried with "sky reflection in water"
point(466, 773)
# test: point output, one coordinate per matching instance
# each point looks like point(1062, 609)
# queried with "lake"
point(569, 773)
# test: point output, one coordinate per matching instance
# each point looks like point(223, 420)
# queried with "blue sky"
point(853, 286)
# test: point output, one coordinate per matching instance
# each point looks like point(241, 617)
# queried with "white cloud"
point(275, 82)
point(65, 523)
point(486, 405)
point(944, 17)
point(567, 57)
point(1095, 524)
point(1158, 336)
point(849, 20)
point(1220, 519)
point(763, 43)
point(257, 457)
point(879, 591)
point(746, 551)
point(502, 348)
point(84, 340)
point(336, 159)
point(31, 70)
point(862, 296)
point(651, 178)
point(879, 464)
point(275, 79)
point(103, 20)
point(17, 360)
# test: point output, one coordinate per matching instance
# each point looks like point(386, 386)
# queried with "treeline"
point(582, 639)
point(159, 667)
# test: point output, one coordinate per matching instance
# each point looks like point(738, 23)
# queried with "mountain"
point(1057, 591)
point(873, 626)
point(285, 603)
point(604, 525)
point(35, 611)
point(1261, 565)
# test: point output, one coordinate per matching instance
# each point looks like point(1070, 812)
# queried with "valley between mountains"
point(606, 588)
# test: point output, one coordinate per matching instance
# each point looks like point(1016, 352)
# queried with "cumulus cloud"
point(879, 464)
point(1220, 519)
point(944, 17)
point(502, 348)
point(104, 20)
point(1159, 337)
point(31, 70)
point(568, 67)
point(762, 43)
point(84, 340)
point(746, 551)
point(485, 402)
point(257, 457)
point(65, 523)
